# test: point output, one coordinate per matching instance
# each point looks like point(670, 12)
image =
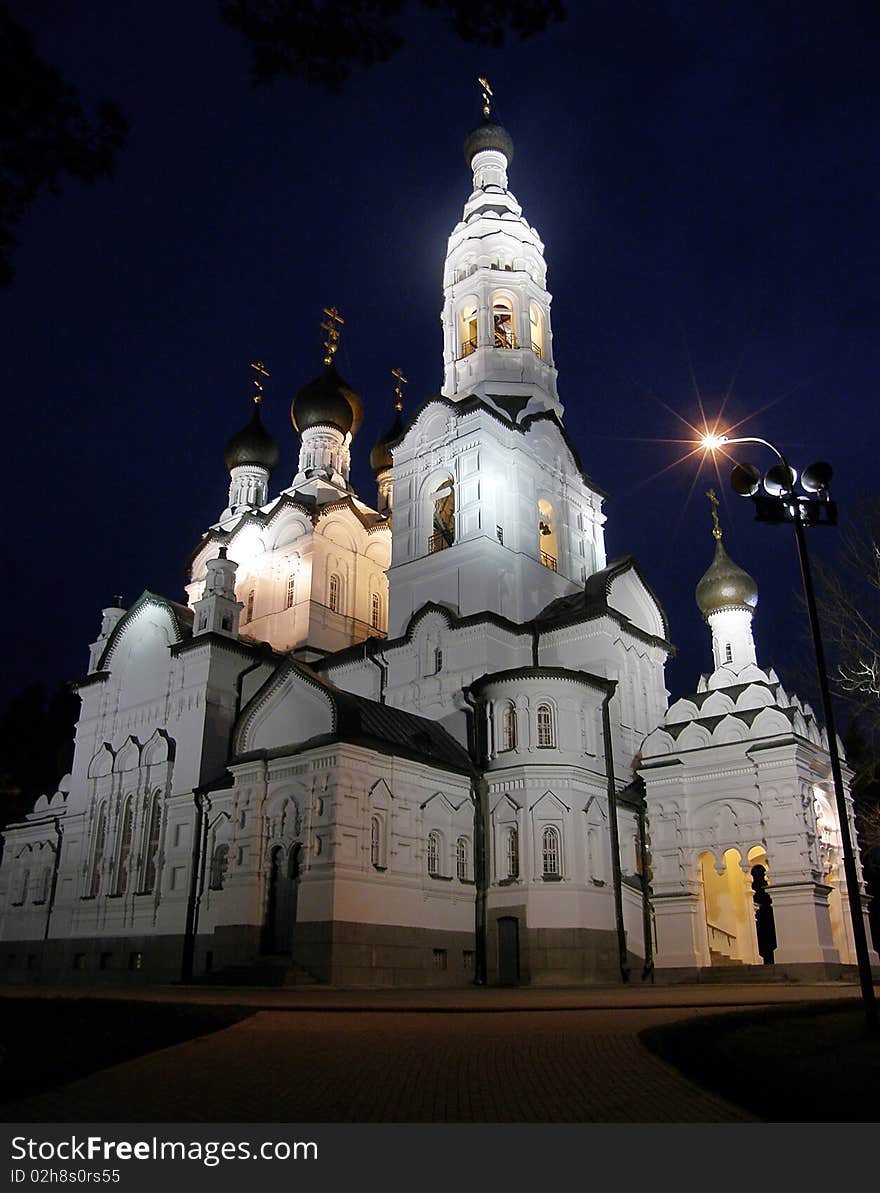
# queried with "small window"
point(106, 961)
point(546, 734)
point(333, 600)
point(438, 661)
point(439, 958)
point(728, 653)
point(135, 961)
point(550, 853)
point(203, 621)
point(508, 727)
point(433, 853)
point(226, 623)
point(375, 841)
point(249, 609)
point(512, 853)
point(467, 960)
point(375, 611)
point(468, 330)
point(461, 859)
point(219, 866)
point(499, 531)
point(79, 960)
point(290, 596)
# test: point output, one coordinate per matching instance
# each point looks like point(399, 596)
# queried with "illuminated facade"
point(423, 758)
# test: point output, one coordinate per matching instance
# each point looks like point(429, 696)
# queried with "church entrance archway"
point(508, 950)
point(729, 907)
point(281, 904)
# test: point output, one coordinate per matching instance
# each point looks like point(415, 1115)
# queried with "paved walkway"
point(566, 1056)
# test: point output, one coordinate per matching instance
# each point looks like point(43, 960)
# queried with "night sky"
point(704, 177)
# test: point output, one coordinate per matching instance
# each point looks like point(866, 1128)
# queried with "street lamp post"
point(781, 502)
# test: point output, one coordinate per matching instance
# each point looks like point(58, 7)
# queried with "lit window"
point(291, 591)
point(249, 609)
point(502, 321)
point(536, 330)
point(550, 852)
point(443, 528)
point(468, 330)
point(512, 853)
point(375, 610)
point(219, 866)
point(508, 728)
point(546, 736)
point(461, 859)
point(334, 593)
point(433, 853)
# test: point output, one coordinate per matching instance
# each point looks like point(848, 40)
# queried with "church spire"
point(727, 596)
point(497, 339)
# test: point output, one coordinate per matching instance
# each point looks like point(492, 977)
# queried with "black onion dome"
point(327, 401)
point(252, 445)
point(380, 456)
point(488, 136)
point(725, 585)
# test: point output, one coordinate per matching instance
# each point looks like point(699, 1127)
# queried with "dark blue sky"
point(705, 179)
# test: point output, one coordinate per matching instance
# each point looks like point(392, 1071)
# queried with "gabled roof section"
point(592, 601)
point(358, 721)
point(180, 616)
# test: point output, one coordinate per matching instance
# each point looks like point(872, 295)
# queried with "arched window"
point(375, 841)
point(43, 885)
point(550, 853)
point(468, 329)
point(98, 852)
point(536, 330)
point(434, 852)
point(461, 859)
point(547, 535)
point(333, 593)
point(375, 611)
point(290, 595)
point(443, 514)
point(512, 851)
point(249, 608)
point(151, 845)
point(123, 855)
point(219, 866)
point(438, 660)
point(503, 324)
point(508, 727)
point(546, 733)
point(23, 888)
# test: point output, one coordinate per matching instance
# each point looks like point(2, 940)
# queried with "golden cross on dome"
point(260, 370)
point(398, 390)
point(330, 326)
point(713, 498)
point(487, 97)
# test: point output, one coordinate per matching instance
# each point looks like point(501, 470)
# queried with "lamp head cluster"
point(779, 494)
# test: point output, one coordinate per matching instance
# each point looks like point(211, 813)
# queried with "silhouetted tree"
point(45, 133)
point(321, 41)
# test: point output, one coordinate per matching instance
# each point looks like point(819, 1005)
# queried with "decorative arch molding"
point(380, 794)
point(160, 748)
point(442, 803)
point(770, 722)
point(129, 756)
point(101, 764)
point(595, 810)
point(549, 804)
point(174, 619)
point(291, 707)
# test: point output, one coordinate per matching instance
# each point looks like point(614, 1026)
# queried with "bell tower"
point(497, 338)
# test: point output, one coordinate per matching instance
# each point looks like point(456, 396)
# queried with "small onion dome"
point(327, 401)
point(380, 456)
point(252, 445)
point(725, 586)
point(488, 136)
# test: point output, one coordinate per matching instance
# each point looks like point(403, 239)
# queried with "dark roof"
point(584, 677)
point(252, 445)
point(592, 601)
point(488, 135)
point(327, 400)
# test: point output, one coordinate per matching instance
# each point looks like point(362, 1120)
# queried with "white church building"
point(429, 743)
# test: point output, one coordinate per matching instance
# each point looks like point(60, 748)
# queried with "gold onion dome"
point(488, 135)
point(725, 585)
point(328, 400)
point(380, 456)
point(252, 445)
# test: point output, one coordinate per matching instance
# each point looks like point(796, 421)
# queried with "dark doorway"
point(281, 906)
point(508, 950)
point(765, 924)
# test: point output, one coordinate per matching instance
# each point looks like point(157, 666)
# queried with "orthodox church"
point(429, 743)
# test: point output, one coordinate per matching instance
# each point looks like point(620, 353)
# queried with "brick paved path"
point(296, 1066)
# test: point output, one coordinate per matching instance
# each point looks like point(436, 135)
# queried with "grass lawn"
point(807, 1063)
point(47, 1042)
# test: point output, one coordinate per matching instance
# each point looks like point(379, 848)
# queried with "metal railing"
point(438, 542)
point(548, 561)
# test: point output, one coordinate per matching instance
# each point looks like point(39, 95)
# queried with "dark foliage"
point(322, 41)
point(45, 133)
